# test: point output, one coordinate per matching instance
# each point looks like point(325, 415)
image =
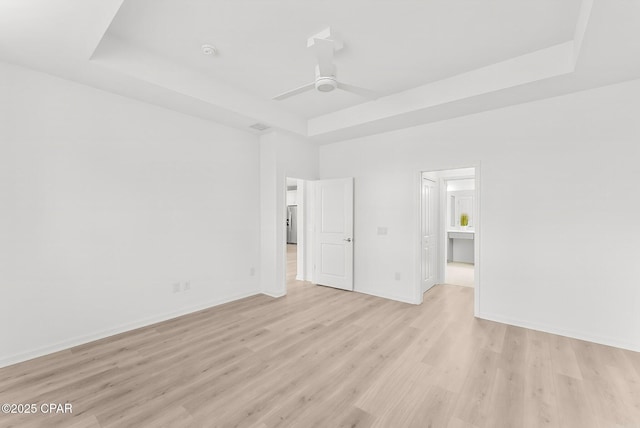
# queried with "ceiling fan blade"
point(296, 91)
point(324, 52)
point(359, 91)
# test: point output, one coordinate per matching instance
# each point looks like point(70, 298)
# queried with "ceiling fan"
point(324, 48)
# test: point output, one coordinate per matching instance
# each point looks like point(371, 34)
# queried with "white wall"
point(105, 203)
point(282, 155)
point(558, 181)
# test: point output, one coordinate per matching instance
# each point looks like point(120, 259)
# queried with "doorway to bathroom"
point(459, 231)
point(449, 228)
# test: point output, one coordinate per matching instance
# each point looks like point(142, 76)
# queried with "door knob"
point(347, 239)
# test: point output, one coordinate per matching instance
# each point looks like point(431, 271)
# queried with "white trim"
point(419, 294)
point(301, 225)
point(123, 328)
point(442, 231)
point(275, 295)
point(390, 297)
point(560, 332)
point(281, 231)
point(477, 226)
point(309, 254)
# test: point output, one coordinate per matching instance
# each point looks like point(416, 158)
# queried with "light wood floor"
point(321, 357)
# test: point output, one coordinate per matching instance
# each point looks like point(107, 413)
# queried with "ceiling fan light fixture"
point(324, 47)
point(326, 84)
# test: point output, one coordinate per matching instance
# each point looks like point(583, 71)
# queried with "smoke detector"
point(209, 50)
point(259, 126)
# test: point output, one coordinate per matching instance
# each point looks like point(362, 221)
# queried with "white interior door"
point(334, 233)
point(428, 213)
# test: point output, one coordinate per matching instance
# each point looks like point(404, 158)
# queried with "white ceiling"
point(430, 59)
point(390, 46)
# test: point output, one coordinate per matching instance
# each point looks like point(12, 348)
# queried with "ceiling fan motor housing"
point(326, 84)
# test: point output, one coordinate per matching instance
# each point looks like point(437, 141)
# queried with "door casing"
point(442, 228)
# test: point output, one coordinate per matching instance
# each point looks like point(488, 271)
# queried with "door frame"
point(477, 282)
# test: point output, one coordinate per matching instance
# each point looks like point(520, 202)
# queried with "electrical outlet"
point(186, 286)
point(176, 287)
point(252, 271)
point(397, 276)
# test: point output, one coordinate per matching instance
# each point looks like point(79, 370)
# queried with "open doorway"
point(459, 230)
point(449, 225)
point(294, 230)
point(318, 252)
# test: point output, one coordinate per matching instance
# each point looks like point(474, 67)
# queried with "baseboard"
point(389, 296)
point(275, 295)
point(81, 340)
point(561, 332)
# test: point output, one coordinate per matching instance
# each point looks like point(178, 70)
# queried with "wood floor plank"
point(322, 357)
point(563, 357)
point(355, 418)
point(627, 391)
point(540, 396)
point(575, 407)
point(507, 395)
point(435, 409)
point(473, 404)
